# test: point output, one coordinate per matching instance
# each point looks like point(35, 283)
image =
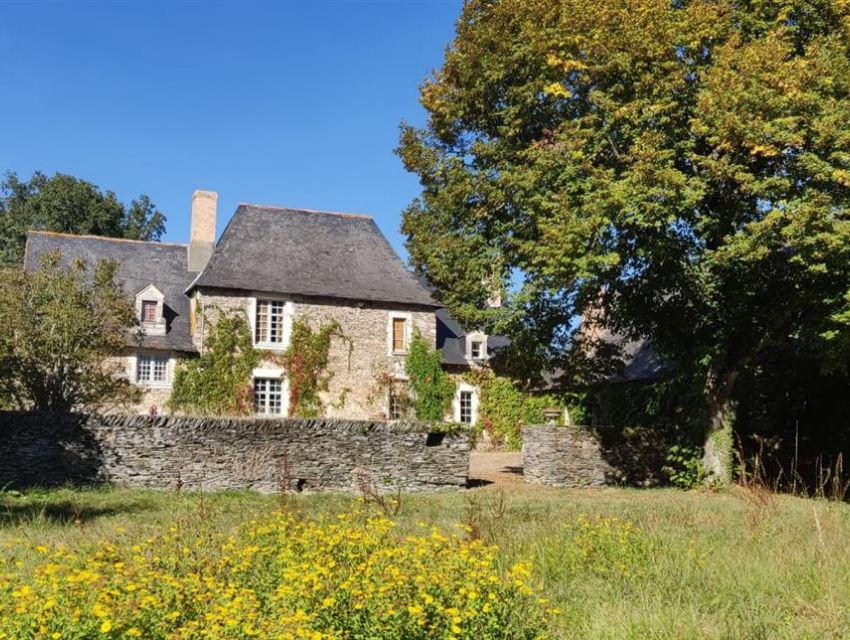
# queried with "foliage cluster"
point(347, 576)
point(306, 363)
point(219, 381)
point(432, 389)
point(503, 407)
point(684, 466)
point(69, 205)
point(687, 159)
point(60, 324)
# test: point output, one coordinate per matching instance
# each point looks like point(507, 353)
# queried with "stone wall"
point(564, 457)
point(41, 449)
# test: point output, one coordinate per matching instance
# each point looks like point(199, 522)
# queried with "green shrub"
point(684, 466)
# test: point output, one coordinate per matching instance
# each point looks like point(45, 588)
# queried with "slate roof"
point(311, 253)
point(451, 339)
point(140, 264)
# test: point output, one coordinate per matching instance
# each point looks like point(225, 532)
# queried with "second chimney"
point(202, 241)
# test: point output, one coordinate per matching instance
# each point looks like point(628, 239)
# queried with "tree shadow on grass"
point(18, 511)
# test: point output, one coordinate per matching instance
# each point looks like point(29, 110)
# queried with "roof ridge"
point(274, 207)
point(89, 236)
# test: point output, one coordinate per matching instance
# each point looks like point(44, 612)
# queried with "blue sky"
point(291, 103)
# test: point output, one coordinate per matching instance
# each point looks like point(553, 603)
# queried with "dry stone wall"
point(38, 449)
point(564, 457)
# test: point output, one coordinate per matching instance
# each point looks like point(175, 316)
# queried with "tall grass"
point(747, 563)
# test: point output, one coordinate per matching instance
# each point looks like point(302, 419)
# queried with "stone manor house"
point(278, 264)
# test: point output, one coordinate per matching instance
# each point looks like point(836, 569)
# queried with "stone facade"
point(354, 391)
point(564, 457)
point(154, 397)
point(213, 454)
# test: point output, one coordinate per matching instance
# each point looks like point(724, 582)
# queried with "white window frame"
point(465, 387)
point(408, 332)
point(288, 313)
point(392, 392)
point(151, 384)
point(151, 294)
point(476, 336)
point(273, 374)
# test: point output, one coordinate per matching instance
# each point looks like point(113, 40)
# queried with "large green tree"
point(61, 324)
point(690, 160)
point(67, 204)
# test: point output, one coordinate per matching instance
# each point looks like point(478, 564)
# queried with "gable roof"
point(139, 264)
point(310, 253)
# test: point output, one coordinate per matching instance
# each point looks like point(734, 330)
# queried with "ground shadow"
point(475, 483)
point(16, 511)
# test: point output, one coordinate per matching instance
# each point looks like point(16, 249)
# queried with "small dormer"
point(476, 346)
point(149, 310)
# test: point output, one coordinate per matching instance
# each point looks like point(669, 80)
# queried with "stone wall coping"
point(254, 423)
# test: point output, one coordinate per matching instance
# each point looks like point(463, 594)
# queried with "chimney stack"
point(202, 241)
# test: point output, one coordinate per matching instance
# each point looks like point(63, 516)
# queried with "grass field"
point(618, 563)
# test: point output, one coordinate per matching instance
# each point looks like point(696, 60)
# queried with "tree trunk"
point(717, 458)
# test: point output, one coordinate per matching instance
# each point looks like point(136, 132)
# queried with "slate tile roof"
point(140, 264)
point(310, 253)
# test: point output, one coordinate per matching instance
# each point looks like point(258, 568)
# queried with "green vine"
point(503, 408)
point(432, 389)
point(306, 363)
point(219, 381)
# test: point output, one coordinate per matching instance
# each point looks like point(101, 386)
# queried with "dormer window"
point(150, 303)
point(148, 311)
point(476, 346)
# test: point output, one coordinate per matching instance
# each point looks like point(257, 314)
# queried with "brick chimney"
point(202, 241)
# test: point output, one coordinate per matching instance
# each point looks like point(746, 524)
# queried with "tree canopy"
point(60, 327)
point(69, 205)
point(689, 162)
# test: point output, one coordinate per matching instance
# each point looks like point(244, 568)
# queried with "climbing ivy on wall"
point(306, 364)
point(503, 408)
point(432, 389)
point(219, 381)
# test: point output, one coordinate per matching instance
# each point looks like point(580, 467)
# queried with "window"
point(152, 369)
point(269, 322)
point(476, 349)
point(399, 335)
point(268, 396)
point(148, 310)
point(395, 405)
point(465, 404)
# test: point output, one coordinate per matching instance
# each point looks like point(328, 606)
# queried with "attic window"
point(476, 349)
point(149, 310)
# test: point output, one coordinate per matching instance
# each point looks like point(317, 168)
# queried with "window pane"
point(143, 368)
point(268, 396)
point(398, 334)
point(262, 328)
point(466, 407)
point(269, 328)
point(148, 311)
point(160, 366)
point(476, 349)
point(276, 321)
point(394, 405)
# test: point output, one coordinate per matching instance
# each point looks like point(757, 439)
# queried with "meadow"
point(595, 563)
